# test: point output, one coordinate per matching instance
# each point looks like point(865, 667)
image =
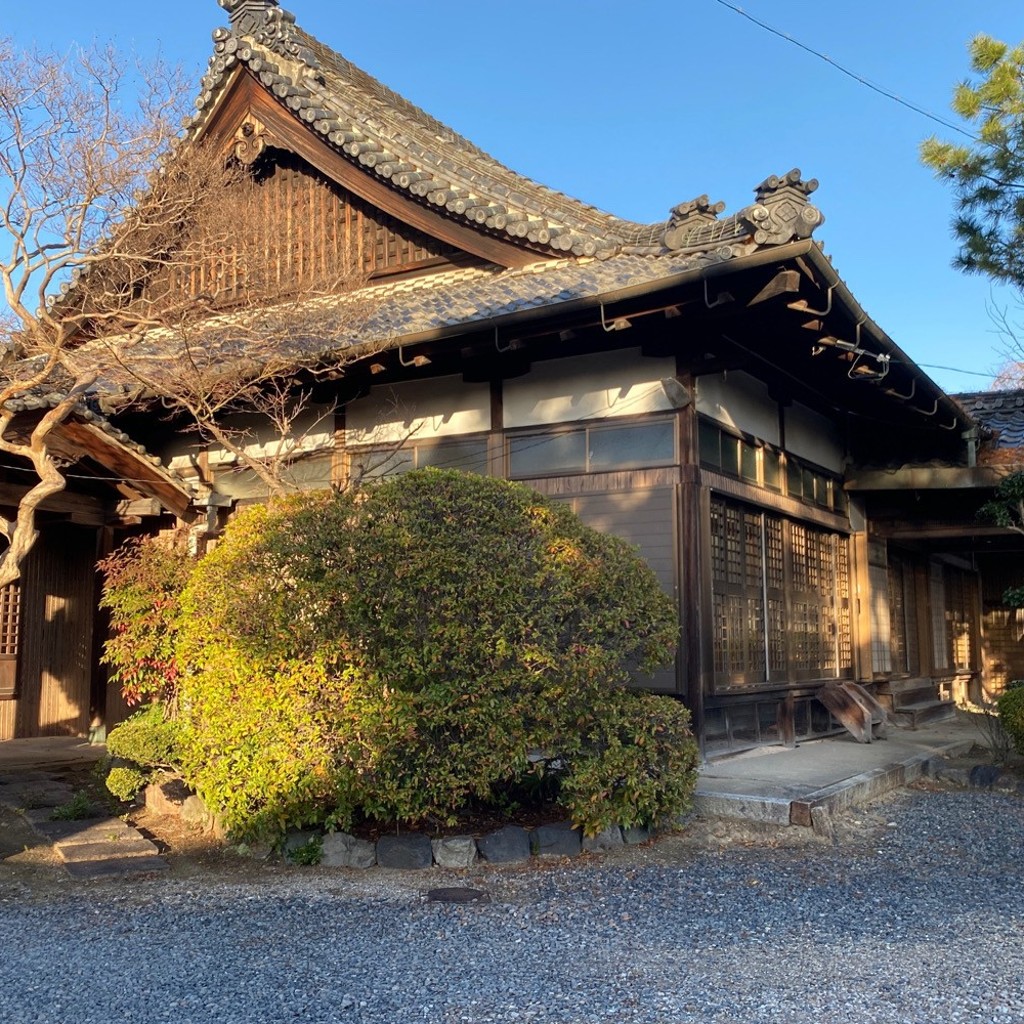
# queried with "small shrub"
point(142, 583)
point(1011, 714)
point(148, 739)
point(125, 783)
point(309, 854)
point(633, 764)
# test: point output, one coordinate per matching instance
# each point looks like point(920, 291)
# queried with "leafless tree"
point(136, 267)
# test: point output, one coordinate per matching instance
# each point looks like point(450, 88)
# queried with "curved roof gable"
point(392, 139)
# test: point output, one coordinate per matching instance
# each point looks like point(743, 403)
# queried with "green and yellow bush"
point(146, 743)
point(1011, 715)
point(398, 654)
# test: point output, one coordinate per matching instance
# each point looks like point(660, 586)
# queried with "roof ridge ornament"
point(782, 212)
point(267, 24)
point(688, 218)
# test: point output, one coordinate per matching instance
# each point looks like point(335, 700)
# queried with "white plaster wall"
point(312, 431)
point(609, 384)
point(439, 407)
point(739, 401)
point(813, 437)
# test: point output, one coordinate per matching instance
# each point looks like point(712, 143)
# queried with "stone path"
point(91, 847)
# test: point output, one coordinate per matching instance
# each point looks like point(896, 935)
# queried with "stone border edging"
point(511, 844)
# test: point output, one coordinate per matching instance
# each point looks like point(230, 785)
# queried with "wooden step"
point(900, 693)
point(925, 712)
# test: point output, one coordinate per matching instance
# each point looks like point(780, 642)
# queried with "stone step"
point(116, 867)
point(108, 849)
point(925, 712)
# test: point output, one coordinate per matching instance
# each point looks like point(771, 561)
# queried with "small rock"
point(454, 851)
point(607, 839)
point(340, 850)
point(559, 839)
point(409, 853)
point(636, 835)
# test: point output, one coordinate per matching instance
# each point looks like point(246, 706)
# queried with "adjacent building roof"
point(999, 413)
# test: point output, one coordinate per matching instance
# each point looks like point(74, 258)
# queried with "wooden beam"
point(783, 283)
point(82, 508)
point(122, 461)
point(923, 478)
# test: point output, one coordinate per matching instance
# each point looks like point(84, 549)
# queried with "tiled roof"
point(391, 314)
point(419, 156)
point(1001, 412)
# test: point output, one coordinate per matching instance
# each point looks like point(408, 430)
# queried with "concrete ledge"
point(772, 810)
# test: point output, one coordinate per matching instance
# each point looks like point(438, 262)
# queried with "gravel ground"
point(917, 916)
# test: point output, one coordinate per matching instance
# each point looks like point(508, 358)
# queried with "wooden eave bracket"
point(132, 467)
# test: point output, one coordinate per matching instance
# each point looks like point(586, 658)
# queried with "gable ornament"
point(269, 26)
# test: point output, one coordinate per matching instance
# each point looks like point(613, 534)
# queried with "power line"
point(847, 71)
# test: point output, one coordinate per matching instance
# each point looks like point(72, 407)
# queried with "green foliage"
point(148, 739)
point(78, 808)
point(309, 854)
point(142, 582)
point(987, 175)
point(633, 762)
point(125, 783)
point(398, 653)
point(1006, 509)
point(1011, 714)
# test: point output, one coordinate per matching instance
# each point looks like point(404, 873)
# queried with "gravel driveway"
point(918, 916)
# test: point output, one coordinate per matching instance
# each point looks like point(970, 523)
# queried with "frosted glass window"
point(625, 447)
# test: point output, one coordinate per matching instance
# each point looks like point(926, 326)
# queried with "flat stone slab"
point(75, 853)
point(34, 795)
point(509, 845)
point(89, 830)
point(458, 894)
point(409, 853)
point(116, 867)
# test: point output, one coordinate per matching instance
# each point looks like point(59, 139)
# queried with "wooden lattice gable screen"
point(298, 232)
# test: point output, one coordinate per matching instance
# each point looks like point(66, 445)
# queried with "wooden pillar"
point(689, 671)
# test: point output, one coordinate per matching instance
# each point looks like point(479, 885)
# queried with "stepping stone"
point(88, 830)
point(116, 867)
point(75, 853)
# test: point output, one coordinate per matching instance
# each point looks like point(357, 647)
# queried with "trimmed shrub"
point(142, 582)
point(147, 739)
point(125, 783)
point(1011, 714)
point(399, 653)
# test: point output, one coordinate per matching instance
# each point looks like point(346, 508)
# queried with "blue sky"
point(637, 107)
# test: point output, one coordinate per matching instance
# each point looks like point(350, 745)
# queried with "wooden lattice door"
point(10, 628)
